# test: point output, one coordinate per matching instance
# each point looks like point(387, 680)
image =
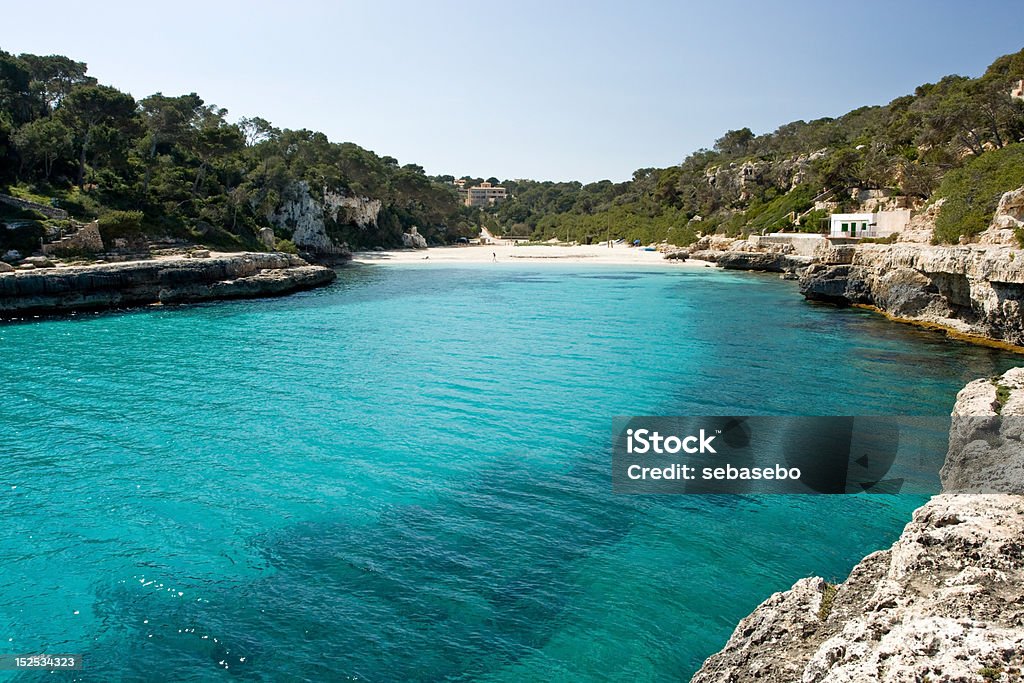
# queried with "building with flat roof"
point(485, 194)
point(851, 225)
point(877, 224)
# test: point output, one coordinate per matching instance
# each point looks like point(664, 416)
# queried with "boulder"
point(267, 238)
point(413, 239)
point(40, 262)
point(6, 267)
point(773, 262)
point(1008, 219)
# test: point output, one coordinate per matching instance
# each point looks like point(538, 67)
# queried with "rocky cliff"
point(749, 254)
point(318, 225)
point(944, 603)
point(169, 280)
point(739, 180)
point(970, 289)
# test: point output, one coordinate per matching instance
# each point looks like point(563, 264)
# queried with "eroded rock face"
point(308, 217)
point(739, 180)
point(1008, 219)
point(975, 289)
point(943, 603)
point(921, 227)
point(413, 239)
point(971, 289)
point(135, 283)
point(772, 262)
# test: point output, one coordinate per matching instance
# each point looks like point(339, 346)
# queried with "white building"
point(485, 194)
point(851, 225)
point(878, 224)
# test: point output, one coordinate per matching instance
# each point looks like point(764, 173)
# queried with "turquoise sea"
point(406, 476)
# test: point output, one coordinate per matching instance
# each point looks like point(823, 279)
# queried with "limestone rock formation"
point(772, 262)
point(969, 289)
point(944, 603)
point(921, 227)
point(309, 218)
point(738, 180)
point(175, 280)
point(749, 254)
point(267, 238)
point(986, 451)
point(413, 239)
point(1008, 219)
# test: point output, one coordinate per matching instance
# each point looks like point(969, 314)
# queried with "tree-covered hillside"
point(93, 150)
point(749, 183)
point(176, 166)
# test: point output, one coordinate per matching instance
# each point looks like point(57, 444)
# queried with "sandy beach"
point(597, 254)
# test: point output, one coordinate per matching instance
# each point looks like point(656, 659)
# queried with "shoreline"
point(945, 581)
point(619, 255)
point(948, 330)
point(162, 280)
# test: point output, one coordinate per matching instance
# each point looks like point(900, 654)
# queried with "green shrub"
point(972, 192)
point(1002, 396)
point(828, 596)
point(990, 673)
point(812, 221)
point(16, 213)
point(120, 224)
point(286, 246)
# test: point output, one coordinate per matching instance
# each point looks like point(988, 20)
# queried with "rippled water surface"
point(406, 476)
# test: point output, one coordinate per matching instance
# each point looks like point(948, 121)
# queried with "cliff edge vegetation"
point(957, 138)
point(187, 172)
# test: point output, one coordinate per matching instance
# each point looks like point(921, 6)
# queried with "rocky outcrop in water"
point(748, 254)
point(971, 289)
point(944, 603)
point(771, 262)
point(174, 280)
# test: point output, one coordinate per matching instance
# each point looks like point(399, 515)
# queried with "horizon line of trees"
point(181, 162)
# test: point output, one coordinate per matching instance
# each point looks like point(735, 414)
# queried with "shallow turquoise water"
point(406, 476)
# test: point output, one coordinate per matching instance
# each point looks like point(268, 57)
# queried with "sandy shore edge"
point(592, 254)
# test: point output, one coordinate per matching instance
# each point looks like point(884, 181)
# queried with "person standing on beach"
point(494, 257)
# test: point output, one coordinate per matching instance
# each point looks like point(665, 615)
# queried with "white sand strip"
point(597, 254)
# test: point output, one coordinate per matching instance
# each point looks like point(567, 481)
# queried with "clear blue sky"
point(549, 90)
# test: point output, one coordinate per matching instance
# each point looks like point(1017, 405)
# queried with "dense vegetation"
point(750, 183)
point(66, 139)
point(176, 166)
point(973, 191)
